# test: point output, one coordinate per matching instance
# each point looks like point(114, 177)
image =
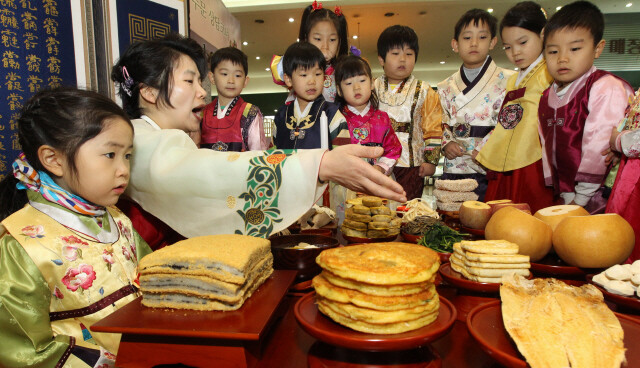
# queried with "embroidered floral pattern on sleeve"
point(260, 210)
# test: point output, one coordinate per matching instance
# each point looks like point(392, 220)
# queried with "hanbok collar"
point(150, 122)
point(557, 99)
point(222, 112)
point(356, 112)
point(86, 225)
point(487, 69)
point(296, 108)
point(405, 90)
point(525, 75)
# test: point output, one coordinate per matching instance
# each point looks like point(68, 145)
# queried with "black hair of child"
point(579, 14)
point(151, 63)
point(397, 36)
point(232, 54)
point(311, 17)
point(475, 17)
point(302, 55)
point(354, 66)
point(528, 15)
point(63, 118)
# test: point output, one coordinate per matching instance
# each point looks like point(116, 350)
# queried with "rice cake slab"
point(183, 301)
point(202, 286)
point(469, 263)
point(224, 257)
point(496, 258)
point(381, 263)
point(490, 247)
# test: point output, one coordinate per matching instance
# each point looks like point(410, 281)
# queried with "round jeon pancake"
point(380, 317)
point(386, 328)
point(381, 263)
point(385, 303)
point(386, 290)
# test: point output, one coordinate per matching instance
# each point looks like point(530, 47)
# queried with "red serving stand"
point(152, 336)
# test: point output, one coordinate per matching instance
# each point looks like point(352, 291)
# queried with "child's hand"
point(612, 141)
point(452, 150)
point(344, 165)
point(474, 153)
point(426, 169)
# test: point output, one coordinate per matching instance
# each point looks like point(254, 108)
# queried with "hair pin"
point(338, 10)
point(354, 50)
point(316, 5)
point(128, 81)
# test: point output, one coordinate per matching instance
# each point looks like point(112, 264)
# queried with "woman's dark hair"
point(302, 55)
point(353, 66)
point(397, 36)
point(151, 63)
point(311, 17)
point(63, 118)
point(527, 14)
point(579, 14)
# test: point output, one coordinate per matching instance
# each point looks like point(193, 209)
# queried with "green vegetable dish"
point(440, 238)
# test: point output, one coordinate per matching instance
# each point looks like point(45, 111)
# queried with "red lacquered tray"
point(553, 266)
point(624, 301)
point(485, 325)
point(456, 279)
point(410, 237)
point(247, 323)
point(353, 239)
point(476, 232)
point(323, 355)
point(324, 329)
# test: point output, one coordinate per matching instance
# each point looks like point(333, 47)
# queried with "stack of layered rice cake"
point(488, 260)
point(379, 288)
point(217, 272)
point(450, 194)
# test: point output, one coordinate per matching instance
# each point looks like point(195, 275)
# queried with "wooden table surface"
point(287, 345)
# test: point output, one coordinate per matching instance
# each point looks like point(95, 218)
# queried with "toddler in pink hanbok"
point(368, 126)
point(578, 111)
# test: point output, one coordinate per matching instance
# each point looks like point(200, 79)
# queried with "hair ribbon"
point(128, 81)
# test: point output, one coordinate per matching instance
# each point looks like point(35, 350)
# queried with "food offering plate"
point(630, 302)
point(354, 239)
point(476, 233)
point(553, 266)
point(487, 328)
point(410, 238)
point(326, 330)
point(323, 355)
point(301, 288)
point(456, 279)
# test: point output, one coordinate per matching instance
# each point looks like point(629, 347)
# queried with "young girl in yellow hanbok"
point(68, 258)
point(513, 152)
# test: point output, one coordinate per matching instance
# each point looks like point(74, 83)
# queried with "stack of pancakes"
point(380, 288)
point(370, 219)
point(488, 260)
point(217, 272)
point(450, 194)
